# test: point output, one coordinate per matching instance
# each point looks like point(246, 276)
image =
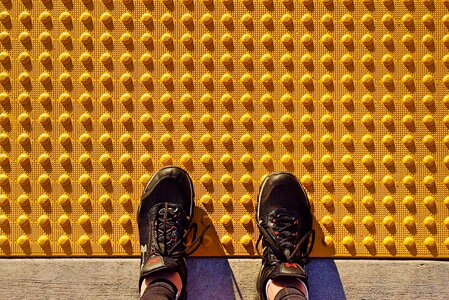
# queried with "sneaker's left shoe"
point(285, 224)
point(164, 220)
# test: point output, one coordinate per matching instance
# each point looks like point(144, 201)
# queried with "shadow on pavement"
point(324, 280)
point(210, 278)
point(213, 278)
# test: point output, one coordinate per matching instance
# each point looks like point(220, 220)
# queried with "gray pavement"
point(220, 278)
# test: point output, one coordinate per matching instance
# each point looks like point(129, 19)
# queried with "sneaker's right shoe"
point(284, 219)
point(164, 220)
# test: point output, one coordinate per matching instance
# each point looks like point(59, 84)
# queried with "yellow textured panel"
point(351, 97)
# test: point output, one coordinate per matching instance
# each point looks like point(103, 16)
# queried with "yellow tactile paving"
point(350, 96)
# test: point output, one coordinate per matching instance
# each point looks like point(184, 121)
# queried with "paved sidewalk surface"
point(220, 278)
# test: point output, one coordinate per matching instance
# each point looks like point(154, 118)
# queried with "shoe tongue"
point(172, 234)
point(277, 219)
point(158, 262)
point(171, 207)
point(289, 269)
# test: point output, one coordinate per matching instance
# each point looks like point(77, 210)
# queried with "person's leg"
point(171, 277)
point(286, 288)
point(285, 223)
point(161, 286)
point(159, 290)
point(164, 220)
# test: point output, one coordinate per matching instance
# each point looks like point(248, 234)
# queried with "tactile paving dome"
point(350, 96)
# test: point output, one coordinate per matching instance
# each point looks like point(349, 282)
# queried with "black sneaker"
point(285, 224)
point(164, 220)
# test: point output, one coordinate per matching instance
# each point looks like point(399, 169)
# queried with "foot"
point(164, 220)
point(285, 224)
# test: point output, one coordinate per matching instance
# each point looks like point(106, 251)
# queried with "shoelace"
point(166, 228)
point(283, 238)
